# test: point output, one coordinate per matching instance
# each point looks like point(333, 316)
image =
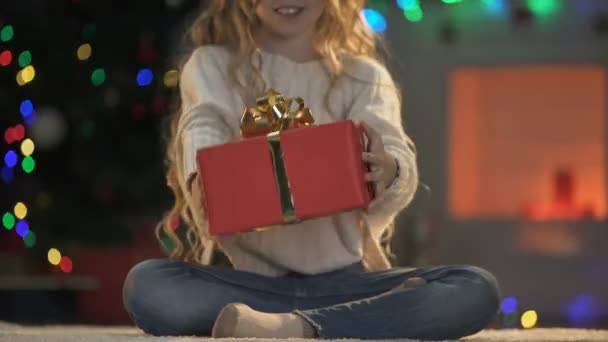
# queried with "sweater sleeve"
point(206, 99)
point(376, 102)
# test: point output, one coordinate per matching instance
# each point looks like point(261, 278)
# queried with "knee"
point(137, 281)
point(482, 291)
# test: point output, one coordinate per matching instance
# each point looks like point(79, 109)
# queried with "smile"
point(291, 10)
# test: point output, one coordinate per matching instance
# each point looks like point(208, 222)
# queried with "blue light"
point(495, 6)
point(508, 305)
point(407, 4)
point(144, 77)
point(10, 158)
point(22, 228)
point(374, 20)
point(27, 108)
point(7, 174)
point(584, 310)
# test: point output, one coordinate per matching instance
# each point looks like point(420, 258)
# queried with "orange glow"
point(512, 129)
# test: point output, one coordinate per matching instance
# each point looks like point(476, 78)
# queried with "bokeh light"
point(508, 305)
point(19, 78)
point(144, 77)
point(495, 6)
point(28, 74)
point(414, 14)
point(451, 1)
point(375, 20)
point(407, 4)
point(25, 58)
point(7, 33)
point(54, 256)
point(98, 77)
point(30, 239)
point(529, 319)
point(27, 147)
point(22, 228)
point(171, 78)
point(20, 210)
point(8, 220)
point(84, 52)
point(544, 7)
point(10, 158)
point(7, 174)
point(66, 264)
point(584, 310)
point(28, 164)
point(6, 57)
point(26, 108)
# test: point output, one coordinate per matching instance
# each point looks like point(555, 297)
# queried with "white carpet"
point(16, 333)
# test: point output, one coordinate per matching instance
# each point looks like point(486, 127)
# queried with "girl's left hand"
point(383, 164)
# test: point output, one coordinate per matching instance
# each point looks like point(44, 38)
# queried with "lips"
point(288, 10)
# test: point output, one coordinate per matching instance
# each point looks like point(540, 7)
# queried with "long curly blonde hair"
point(232, 23)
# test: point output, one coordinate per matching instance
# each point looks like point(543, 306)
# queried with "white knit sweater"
point(211, 110)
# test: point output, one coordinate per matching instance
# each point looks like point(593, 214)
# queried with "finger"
point(373, 158)
point(377, 199)
point(372, 134)
point(375, 175)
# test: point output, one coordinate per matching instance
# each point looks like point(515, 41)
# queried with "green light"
point(168, 245)
point(8, 220)
point(87, 129)
point(25, 58)
point(415, 14)
point(379, 5)
point(7, 33)
point(98, 77)
point(88, 31)
point(543, 7)
point(30, 239)
point(28, 164)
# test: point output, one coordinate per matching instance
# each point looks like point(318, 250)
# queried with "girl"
point(325, 277)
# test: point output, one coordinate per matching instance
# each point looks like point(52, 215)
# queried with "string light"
point(30, 239)
point(375, 20)
point(6, 57)
point(529, 319)
point(26, 108)
point(407, 4)
point(22, 228)
point(171, 78)
point(144, 77)
point(494, 6)
point(98, 77)
point(20, 210)
point(25, 58)
point(20, 80)
point(10, 158)
point(451, 1)
point(28, 164)
point(28, 73)
point(414, 14)
point(66, 264)
point(8, 220)
point(84, 52)
point(7, 174)
point(508, 305)
point(27, 147)
point(543, 7)
point(54, 256)
point(7, 33)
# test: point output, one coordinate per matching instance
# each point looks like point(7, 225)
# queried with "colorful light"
point(508, 305)
point(28, 164)
point(584, 310)
point(28, 73)
point(54, 256)
point(66, 264)
point(20, 210)
point(30, 239)
point(375, 20)
point(22, 228)
point(6, 57)
point(98, 77)
point(26, 108)
point(495, 6)
point(544, 7)
point(414, 14)
point(529, 319)
point(84, 52)
point(8, 220)
point(8, 174)
point(10, 158)
point(171, 78)
point(27, 147)
point(175, 223)
point(451, 1)
point(144, 77)
point(7, 33)
point(25, 58)
point(19, 78)
point(407, 4)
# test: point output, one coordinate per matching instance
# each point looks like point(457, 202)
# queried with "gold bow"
point(273, 113)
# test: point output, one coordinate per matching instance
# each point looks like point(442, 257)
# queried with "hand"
point(383, 164)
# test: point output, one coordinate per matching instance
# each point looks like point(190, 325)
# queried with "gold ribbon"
point(273, 114)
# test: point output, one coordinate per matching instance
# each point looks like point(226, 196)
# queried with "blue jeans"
point(170, 297)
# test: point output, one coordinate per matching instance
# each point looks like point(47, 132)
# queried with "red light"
point(65, 264)
point(6, 57)
point(9, 135)
point(19, 132)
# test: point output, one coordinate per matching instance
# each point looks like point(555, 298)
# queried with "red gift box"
point(324, 168)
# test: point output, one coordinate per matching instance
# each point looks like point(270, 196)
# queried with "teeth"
point(288, 10)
